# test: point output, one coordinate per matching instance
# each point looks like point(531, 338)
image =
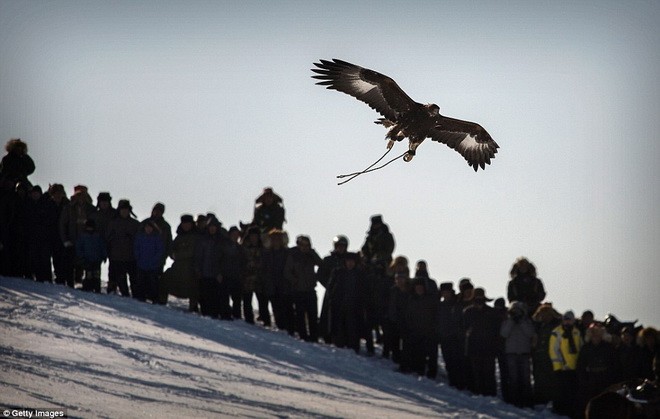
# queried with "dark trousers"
point(59, 263)
point(566, 401)
point(306, 315)
point(519, 380)
point(451, 353)
point(119, 271)
point(483, 375)
point(264, 312)
point(209, 297)
point(420, 355)
point(39, 255)
point(283, 311)
point(346, 333)
point(92, 279)
point(248, 311)
point(145, 286)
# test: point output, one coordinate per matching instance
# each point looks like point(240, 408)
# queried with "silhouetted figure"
point(120, 239)
point(91, 251)
point(72, 224)
point(16, 165)
point(335, 260)
point(208, 268)
point(524, 286)
point(268, 211)
point(299, 271)
point(346, 293)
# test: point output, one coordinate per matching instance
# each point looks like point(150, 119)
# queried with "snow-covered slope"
point(108, 356)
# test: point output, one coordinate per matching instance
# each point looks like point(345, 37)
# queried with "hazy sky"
point(202, 104)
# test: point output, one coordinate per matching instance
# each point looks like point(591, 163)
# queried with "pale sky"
point(202, 104)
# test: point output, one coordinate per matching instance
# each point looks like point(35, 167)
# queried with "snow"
point(106, 356)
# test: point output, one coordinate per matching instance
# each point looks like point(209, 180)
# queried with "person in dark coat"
point(233, 266)
point(346, 286)
point(17, 164)
point(148, 249)
point(91, 251)
point(208, 268)
point(399, 294)
point(419, 330)
point(253, 272)
point(300, 272)
point(376, 254)
point(274, 287)
point(180, 279)
point(647, 339)
point(58, 197)
point(104, 213)
point(120, 240)
point(72, 224)
point(334, 260)
point(481, 330)
point(597, 366)
point(268, 211)
point(525, 286)
point(546, 319)
point(449, 332)
point(165, 234)
point(40, 219)
point(629, 354)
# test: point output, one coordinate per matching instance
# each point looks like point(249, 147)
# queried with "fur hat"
point(376, 219)
point(15, 145)
point(187, 218)
point(545, 312)
point(124, 203)
point(56, 188)
point(465, 284)
point(479, 294)
point(446, 286)
point(104, 196)
point(159, 206)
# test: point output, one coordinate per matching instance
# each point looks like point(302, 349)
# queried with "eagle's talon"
point(409, 155)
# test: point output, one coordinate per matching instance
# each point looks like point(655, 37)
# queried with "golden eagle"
point(403, 116)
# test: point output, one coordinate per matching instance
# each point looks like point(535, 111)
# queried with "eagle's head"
point(433, 109)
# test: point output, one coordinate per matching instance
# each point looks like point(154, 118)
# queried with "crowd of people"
point(372, 298)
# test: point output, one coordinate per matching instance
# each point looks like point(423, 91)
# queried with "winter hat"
point(79, 189)
point(212, 221)
point(233, 229)
point(55, 188)
point(465, 284)
point(159, 206)
point(376, 219)
point(124, 203)
point(187, 218)
point(569, 315)
point(479, 294)
point(446, 286)
point(104, 196)
point(499, 303)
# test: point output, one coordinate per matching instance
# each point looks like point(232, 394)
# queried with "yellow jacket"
point(559, 349)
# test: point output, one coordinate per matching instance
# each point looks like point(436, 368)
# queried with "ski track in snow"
point(108, 356)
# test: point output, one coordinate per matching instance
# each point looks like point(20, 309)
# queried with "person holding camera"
point(518, 333)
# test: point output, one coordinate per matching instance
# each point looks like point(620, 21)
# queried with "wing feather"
point(471, 140)
point(377, 90)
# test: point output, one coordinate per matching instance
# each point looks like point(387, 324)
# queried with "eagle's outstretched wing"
point(468, 138)
point(378, 91)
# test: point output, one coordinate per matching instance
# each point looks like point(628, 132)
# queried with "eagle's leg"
point(412, 147)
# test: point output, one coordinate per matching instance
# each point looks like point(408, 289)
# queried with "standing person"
point(335, 260)
point(104, 214)
point(481, 331)
point(346, 290)
point(40, 218)
point(149, 250)
point(17, 164)
point(449, 330)
point(564, 348)
point(165, 234)
point(180, 279)
point(629, 355)
point(399, 294)
point(524, 286)
point(597, 365)
point(300, 272)
point(419, 330)
point(91, 251)
point(232, 271)
point(546, 319)
point(208, 268)
point(120, 240)
point(58, 197)
point(274, 287)
point(518, 333)
point(269, 211)
point(253, 272)
point(647, 339)
point(72, 224)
